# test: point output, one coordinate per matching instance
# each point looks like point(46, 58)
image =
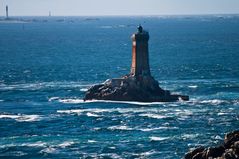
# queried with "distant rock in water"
point(139, 85)
point(228, 150)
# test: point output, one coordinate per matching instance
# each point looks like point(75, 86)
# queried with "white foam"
point(73, 101)
point(91, 141)
point(193, 86)
point(222, 113)
point(29, 144)
point(156, 116)
point(120, 110)
point(217, 137)
point(79, 101)
point(66, 144)
point(35, 144)
point(92, 115)
point(183, 113)
point(148, 153)
point(84, 89)
point(53, 98)
point(236, 102)
point(22, 117)
point(42, 85)
point(120, 127)
point(190, 136)
point(154, 138)
point(214, 101)
point(48, 150)
point(159, 128)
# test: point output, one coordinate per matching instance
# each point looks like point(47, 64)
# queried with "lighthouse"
point(139, 85)
point(6, 12)
point(140, 54)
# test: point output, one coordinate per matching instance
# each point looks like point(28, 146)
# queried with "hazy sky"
point(118, 7)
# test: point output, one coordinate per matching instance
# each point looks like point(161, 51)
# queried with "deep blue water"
point(47, 64)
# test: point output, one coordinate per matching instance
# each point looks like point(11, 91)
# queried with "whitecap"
point(154, 138)
point(193, 86)
point(189, 136)
point(222, 113)
point(53, 99)
point(66, 144)
point(217, 137)
point(108, 155)
point(236, 102)
point(83, 89)
point(91, 141)
point(123, 111)
point(148, 153)
point(43, 85)
point(48, 150)
point(21, 117)
point(79, 111)
point(72, 101)
point(35, 144)
point(92, 115)
point(79, 101)
point(183, 113)
point(155, 116)
point(96, 129)
point(159, 128)
point(214, 101)
point(120, 110)
point(120, 127)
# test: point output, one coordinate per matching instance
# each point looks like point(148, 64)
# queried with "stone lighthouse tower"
point(139, 85)
point(140, 54)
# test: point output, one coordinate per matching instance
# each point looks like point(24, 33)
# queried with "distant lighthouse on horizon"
point(7, 12)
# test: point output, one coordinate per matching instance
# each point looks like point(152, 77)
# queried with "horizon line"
point(124, 15)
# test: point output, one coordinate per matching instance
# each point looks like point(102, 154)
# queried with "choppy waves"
point(21, 117)
point(44, 85)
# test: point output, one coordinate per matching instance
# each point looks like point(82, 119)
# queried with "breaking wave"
point(45, 85)
point(21, 117)
point(155, 116)
point(155, 138)
point(122, 127)
point(110, 110)
point(81, 101)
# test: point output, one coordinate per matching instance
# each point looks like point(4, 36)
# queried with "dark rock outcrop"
point(228, 150)
point(132, 88)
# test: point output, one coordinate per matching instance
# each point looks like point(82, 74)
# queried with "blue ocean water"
point(47, 64)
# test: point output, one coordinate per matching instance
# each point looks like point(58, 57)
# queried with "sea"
point(48, 63)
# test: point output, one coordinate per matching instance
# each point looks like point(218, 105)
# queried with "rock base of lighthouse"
point(131, 88)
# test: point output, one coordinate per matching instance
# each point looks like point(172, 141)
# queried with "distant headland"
point(138, 85)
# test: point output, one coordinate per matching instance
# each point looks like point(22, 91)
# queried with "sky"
point(117, 7)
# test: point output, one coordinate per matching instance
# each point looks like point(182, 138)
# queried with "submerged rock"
point(139, 85)
point(228, 150)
